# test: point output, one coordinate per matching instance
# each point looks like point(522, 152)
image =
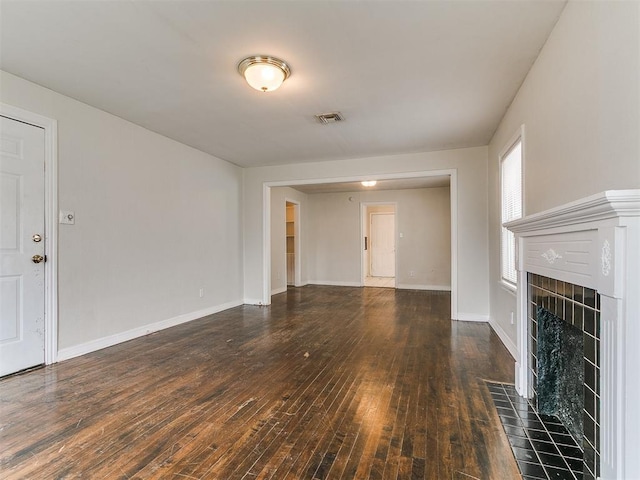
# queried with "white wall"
point(333, 243)
point(422, 216)
point(279, 197)
point(580, 105)
point(155, 222)
point(471, 167)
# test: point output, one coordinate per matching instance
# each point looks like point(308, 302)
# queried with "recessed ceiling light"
point(263, 72)
point(369, 183)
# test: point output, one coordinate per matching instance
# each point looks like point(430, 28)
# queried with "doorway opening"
point(259, 292)
point(290, 222)
point(379, 245)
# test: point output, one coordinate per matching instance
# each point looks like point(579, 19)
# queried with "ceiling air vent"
point(332, 117)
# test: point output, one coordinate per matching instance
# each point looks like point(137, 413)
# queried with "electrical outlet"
point(512, 320)
point(412, 273)
point(201, 292)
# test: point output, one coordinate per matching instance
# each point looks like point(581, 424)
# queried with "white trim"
point(279, 290)
point(504, 338)
point(437, 288)
point(508, 287)
point(50, 127)
point(334, 284)
point(596, 208)
point(363, 229)
point(472, 317)
point(522, 339)
point(252, 301)
point(518, 136)
point(453, 192)
point(104, 342)
point(266, 245)
point(266, 225)
point(359, 178)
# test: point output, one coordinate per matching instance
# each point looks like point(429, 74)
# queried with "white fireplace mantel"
point(594, 242)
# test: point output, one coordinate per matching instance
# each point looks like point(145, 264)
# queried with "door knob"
point(37, 258)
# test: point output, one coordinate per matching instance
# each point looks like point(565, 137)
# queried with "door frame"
point(266, 221)
point(50, 127)
point(365, 216)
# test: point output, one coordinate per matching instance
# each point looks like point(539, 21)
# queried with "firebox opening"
point(561, 371)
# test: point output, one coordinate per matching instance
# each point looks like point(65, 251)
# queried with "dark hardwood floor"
point(328, 382)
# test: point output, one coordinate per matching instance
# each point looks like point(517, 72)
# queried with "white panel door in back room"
point(22, 238)
point(383, 245)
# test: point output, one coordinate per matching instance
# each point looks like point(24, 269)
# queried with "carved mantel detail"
point(551, 256)
point(606, 258)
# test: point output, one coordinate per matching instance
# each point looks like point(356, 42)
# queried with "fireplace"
point(579, 296)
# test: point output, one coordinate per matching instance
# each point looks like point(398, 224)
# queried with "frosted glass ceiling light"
point(264, 73)
point(369, 183)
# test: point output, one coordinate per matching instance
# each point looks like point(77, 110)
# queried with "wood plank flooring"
point(326, 383)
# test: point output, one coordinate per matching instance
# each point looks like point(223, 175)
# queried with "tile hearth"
point(541, 444)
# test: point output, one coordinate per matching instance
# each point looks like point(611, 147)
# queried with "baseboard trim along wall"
point(439, 288)
point(100, 343)
point(253, 301)
point(334, 284)
point(278, 290)
point(504, 338)
point(472, 317)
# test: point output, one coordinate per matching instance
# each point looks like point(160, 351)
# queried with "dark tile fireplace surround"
point(578, 309)
point(555, 433)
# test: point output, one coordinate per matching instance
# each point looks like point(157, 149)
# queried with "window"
point(511, 199)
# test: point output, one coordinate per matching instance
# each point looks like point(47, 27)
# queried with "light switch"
point(401, 235)
point(67, 217)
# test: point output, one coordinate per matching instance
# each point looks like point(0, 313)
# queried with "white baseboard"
point(334, 284)
point(279, 290)
point(254, 301)
point(472, 317)
point(104, 342)
point(439, 288)
point(506, 341)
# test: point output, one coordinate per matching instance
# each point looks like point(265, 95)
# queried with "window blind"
point(511, 198)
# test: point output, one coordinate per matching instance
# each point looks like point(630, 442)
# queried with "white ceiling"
point(408, 75)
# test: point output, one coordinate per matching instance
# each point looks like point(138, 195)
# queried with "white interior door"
point(383, 245)
point(22, 249)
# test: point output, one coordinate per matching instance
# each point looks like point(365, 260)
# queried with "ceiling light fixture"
point(263, 72)
point(369, 183)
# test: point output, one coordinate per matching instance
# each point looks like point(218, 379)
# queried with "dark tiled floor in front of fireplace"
point(543, 447)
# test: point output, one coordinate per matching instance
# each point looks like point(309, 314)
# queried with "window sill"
point(509, 287)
